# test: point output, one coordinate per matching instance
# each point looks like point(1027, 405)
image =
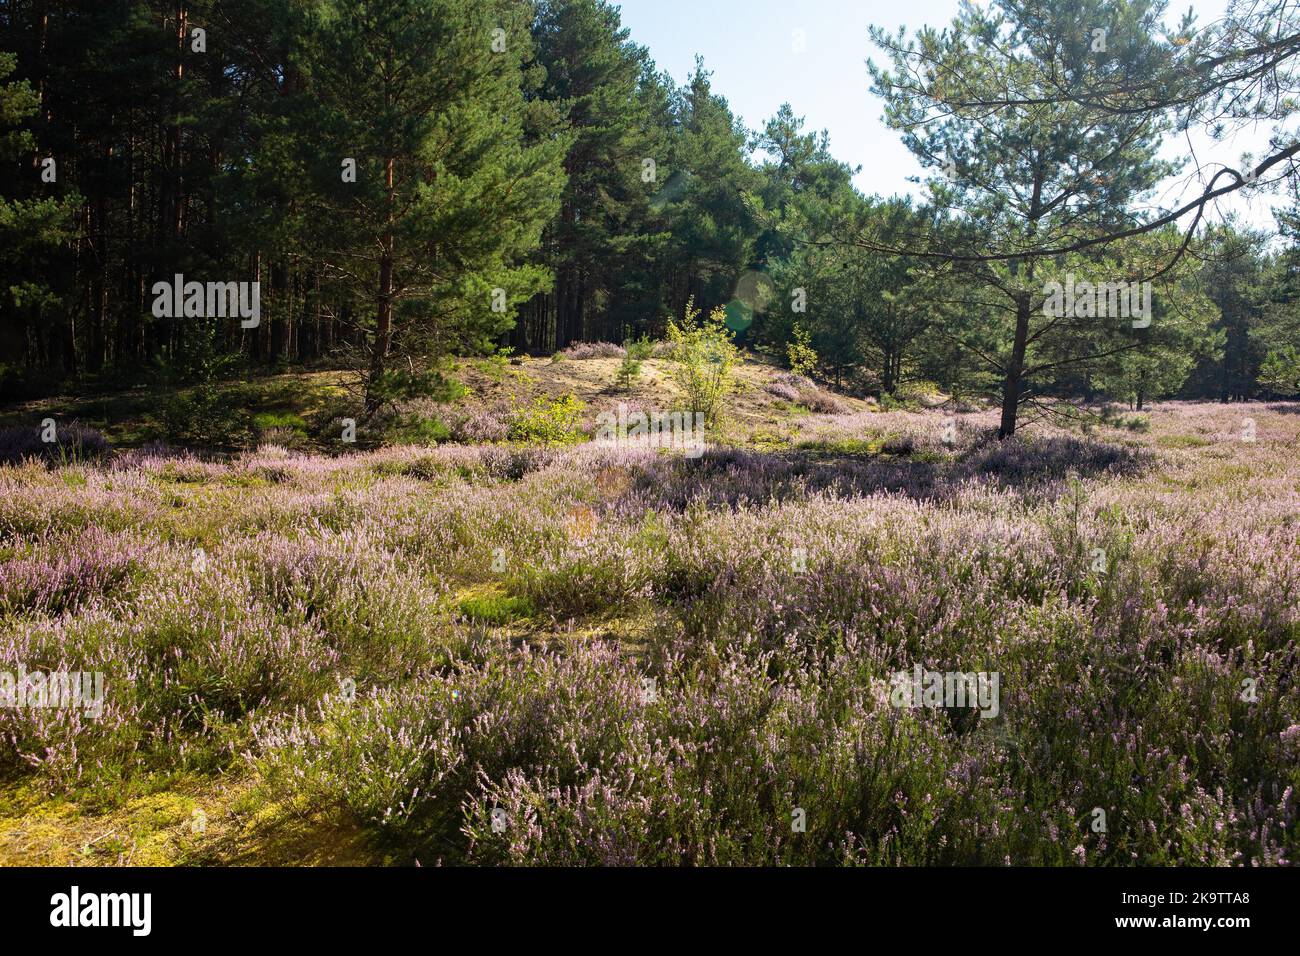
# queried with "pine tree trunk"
point(384, 319)
point(1015, 369)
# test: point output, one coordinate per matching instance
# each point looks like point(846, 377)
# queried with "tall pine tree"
point(425, 98)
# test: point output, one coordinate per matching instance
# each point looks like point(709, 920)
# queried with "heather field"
point(506, 653)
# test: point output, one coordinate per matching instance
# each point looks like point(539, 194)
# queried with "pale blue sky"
point(749, 45)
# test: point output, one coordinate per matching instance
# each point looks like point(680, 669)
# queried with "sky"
point(751, 48)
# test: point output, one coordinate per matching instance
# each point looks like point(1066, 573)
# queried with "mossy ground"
point(199, 822)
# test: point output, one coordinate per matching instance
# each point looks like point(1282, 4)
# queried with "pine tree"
point(425, 98)
point(713, 230)
point(1025, 171)
point(36, 223)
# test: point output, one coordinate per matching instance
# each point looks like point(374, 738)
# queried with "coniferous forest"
point(413, 180)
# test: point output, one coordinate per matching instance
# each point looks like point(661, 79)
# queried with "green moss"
point(844, 446)
point(496, 608)
point(420, 431)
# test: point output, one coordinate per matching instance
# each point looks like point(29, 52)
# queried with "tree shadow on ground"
point(1040, 468)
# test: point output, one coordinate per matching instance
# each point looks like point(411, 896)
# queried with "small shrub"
point(399, 385)
point(898, 445)
point(802, 356)
point(704, 356)
point(640, 349)
point(73, 442)
point(794, 381)
point(822, 402)
point(628, 372)
point(479, 426)
point(591, 350)
point(494, 366)
point(547, 421)
point(920, 394)
point(421, 431)
point(630, 369)
point(783, 391)
point(204, 417)
point(799, 388)
point(280, 429)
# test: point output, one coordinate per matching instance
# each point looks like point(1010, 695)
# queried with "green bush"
point(704, 357)
point(494, 366)
point(416, 430)
point(1280, 371)
point(549, 421)
point(802, 356)
point(399, 385)
point(283, 428)
point(638, 350)
point(206, 417)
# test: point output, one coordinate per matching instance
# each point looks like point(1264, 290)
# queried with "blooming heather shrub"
point(591, 767)
point(150, 452)
point(794, 380)
point(781, 390)
point(63, 572)
point(590, 350)
point(378, 616)
point(480, 426)
point(485, 465)
point(794, 387)
point(821, 401)
point(74, 442)
point(182, 671)
point(898, 445)
point(1136, 594)
point(573, 577)
point(498, 709)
